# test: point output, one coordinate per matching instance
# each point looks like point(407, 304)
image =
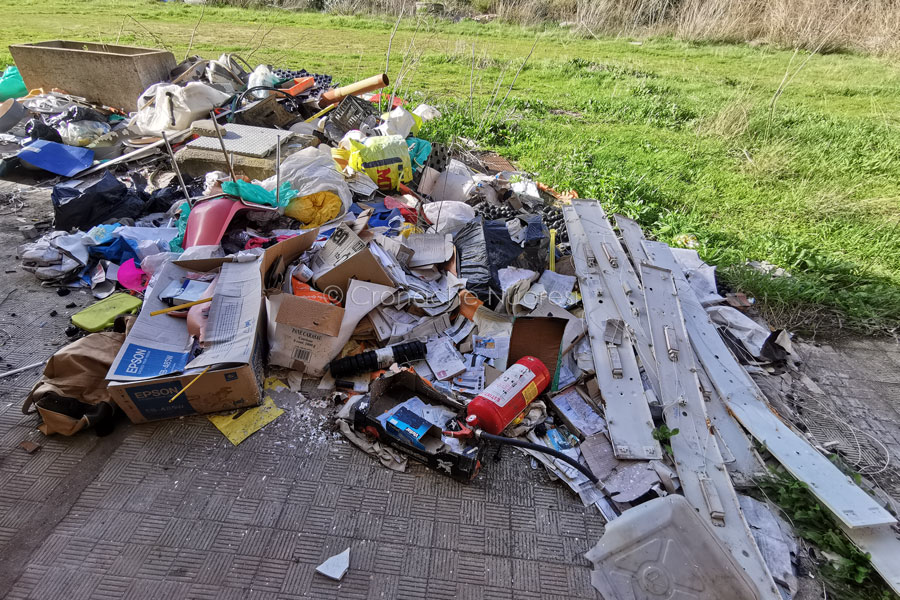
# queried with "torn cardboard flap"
point(362, 266)
point(540, 337)
point(302, 333)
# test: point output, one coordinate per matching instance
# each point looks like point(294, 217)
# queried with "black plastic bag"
point(162, 199)
point(77, 113)
point(536, 254)
point(483, 248)
point(38, 130)
point(106, 199)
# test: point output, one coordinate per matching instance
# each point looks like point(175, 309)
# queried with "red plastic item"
point(304, 290)
point(397, 101)
point(301, 84)
point(502, 401)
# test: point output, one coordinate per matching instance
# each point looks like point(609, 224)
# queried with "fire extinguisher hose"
point(538, 448)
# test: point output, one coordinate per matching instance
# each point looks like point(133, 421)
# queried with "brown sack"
point(72, 394)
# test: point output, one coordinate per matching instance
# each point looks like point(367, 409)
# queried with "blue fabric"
point(119, 251)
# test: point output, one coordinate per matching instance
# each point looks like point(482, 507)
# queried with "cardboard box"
point(392, 389)
point(305, 335)
point(150, 368)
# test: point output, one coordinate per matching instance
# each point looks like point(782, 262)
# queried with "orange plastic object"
point(301, 84)
point(304, 290)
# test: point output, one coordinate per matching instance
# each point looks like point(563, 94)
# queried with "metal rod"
point(212, 115)
point(187, 195)
point(277, 170)
point(20, 369)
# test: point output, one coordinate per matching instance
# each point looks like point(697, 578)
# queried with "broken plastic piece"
point(663, 549)
point(336, 566)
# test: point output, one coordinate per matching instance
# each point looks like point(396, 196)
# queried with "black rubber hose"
point(538, 448)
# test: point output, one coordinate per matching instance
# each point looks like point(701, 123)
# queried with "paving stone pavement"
point(171, 510)
point(857, 404)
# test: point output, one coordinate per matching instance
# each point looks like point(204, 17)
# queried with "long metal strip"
point(632, 235)
point(742, 460)
point(619, 279)
point(628, 415)
point(704, 479)
point(853, 506)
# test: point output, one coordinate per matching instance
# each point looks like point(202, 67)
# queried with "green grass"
point(677, 135)
point(848, 572)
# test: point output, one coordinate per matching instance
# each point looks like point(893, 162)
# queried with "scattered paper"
point(444, 359)
point(558, 287)
point(342, 244)
point(429, 248)
point(336, 566)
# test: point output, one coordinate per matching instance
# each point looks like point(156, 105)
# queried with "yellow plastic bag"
point(383, 158)
point(315, 209)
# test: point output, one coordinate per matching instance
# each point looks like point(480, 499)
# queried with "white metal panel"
point(883, 546)
point(620, 282)
point(627, 412)
point(741, 459)
point(632, 235)
point(853, 506)
point(704, 479)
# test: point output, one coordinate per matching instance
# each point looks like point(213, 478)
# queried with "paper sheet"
point(429, 248)
point(460, 329)
point(342, 244)
point(511, 275)
point(444, 359)
point(559, 287)
point(233, 314)
point(578, 412)
point(238, 425)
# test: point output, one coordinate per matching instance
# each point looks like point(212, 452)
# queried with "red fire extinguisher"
point(496, 407)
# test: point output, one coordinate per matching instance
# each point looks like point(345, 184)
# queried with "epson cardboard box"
point(155, 362)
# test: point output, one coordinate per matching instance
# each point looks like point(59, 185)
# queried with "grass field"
point(681, 136)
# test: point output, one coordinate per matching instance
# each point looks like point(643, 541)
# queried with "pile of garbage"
point(268, 221)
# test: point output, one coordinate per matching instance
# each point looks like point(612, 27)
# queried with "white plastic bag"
point(400, 122)
point(310, 171)
point(426, 112)
point(262, 76)
point(449, 217)
point(174, 108)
